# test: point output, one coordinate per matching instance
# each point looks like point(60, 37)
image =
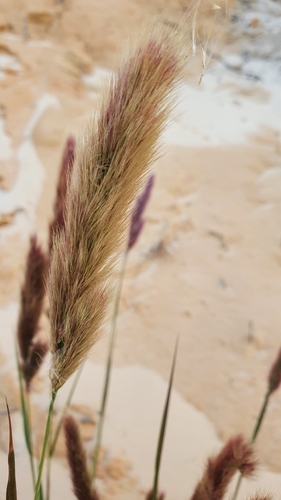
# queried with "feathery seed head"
point(110, 163)
point(274, 379)
point(31, 302)
point(66, 166)
point(236, 455)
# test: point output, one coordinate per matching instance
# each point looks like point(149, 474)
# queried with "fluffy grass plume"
point(111, 160)
point(31, 305)
point(59, 207)
point(77, 461)
point(236, 455)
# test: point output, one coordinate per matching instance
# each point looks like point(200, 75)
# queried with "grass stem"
point(25, 411)
point(154, 495)
point(253, 438)
point(112, 340)
point(58, 428)
point(260, 417)
point(45, 444)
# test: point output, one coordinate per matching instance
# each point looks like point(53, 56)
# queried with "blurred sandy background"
point(208, 263)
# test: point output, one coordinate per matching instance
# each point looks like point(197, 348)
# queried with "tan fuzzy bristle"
point(110, 162)
point(261, 496)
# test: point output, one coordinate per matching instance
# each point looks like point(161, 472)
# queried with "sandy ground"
point(207, 266)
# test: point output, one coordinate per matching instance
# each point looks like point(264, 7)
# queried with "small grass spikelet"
point(68, 156)
point(111, 160)
point(32, 351)
point(77, 461)
point(235, 456)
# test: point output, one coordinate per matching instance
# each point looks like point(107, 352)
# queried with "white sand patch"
point(8, 321)
point(9, 62)
point(46, 101)
point(209, 116)
point(5, 142)
point(24, 196)
point(97, 78)
point(273, 172)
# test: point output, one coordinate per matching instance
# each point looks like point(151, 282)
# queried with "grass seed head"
point(31, 306)
point(77, 461)
point(237, 455)
point(111, 160)
point(68, 156)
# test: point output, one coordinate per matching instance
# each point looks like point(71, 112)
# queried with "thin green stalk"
point(45, 444)
point(253, 438)
point(28, 413)
point(260, 417)
point(239, 481)
point(48, 466)
point(163, 427)
point(112, 341)
point(66, 405)
point(26, 421)
point(54, 441)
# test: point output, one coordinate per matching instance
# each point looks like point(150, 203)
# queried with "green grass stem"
point(111, 346)
point(253, 438)
point(45, 444)
point(26, 420)
point(58, 428)
point(163, 426)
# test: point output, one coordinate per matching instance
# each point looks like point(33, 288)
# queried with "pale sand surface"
point(207, 265)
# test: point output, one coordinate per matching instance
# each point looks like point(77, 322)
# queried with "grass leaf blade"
point(163, 426)
point(11, 492)
point(112, 341)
